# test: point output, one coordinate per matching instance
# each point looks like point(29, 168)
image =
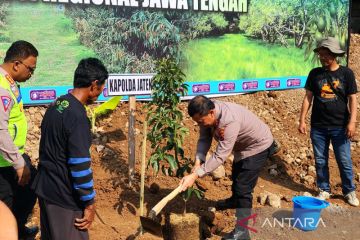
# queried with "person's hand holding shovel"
point(188, 181)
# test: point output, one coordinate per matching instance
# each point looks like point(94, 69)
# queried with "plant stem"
point(184, 208)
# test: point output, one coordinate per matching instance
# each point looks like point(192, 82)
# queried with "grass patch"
point(46, 26)
point(233, 56)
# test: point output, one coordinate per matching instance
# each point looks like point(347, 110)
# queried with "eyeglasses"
point(31, 69)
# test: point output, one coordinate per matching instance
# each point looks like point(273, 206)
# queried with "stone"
point(309, 179)
point(303, 149)
point(96, 141)
point(298, 160)
point(274, 201)
point(100, 148)
point(303, 156)
point(104, 139)
point(218, 173)
point(108, 151)
point(302, 175)
point(262, 198)
point(307, 194)
point(274, 166)
point(311, 169)
point(289, 159)
point(137, 131)
point(212, 209)
point(273, 172)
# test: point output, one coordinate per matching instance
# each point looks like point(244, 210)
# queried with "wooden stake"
point(131, 138)
point(143, 164)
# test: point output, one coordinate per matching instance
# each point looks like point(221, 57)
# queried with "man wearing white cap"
point(332, 90)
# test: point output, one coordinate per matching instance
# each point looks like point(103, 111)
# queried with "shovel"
point(149, 223)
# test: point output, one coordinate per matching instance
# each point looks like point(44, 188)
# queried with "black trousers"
point(57, 223)
point(245, 173)
point(21, 200)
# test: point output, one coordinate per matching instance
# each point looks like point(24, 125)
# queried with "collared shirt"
point(244, 133)
point(8, 150)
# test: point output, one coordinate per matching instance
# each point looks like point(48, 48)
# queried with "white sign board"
point(129, 84)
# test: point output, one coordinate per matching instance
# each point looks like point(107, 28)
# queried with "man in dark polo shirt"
point(64, 183)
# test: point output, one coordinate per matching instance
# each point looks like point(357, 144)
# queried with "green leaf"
point(155, 166)
point(187, 194)
point(171, 160)
point(107, 106)
point(199, 194)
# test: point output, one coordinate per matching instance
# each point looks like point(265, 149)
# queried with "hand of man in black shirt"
point(85, 222)
point(350, 130)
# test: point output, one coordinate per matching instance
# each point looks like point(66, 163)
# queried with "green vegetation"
point(164, 118)
point(188, 193)
point(131, 40)
point(234, 56)
point(302, 23)
point(4, 7)
point(51, 32)
point(102, 109)
point(330, 20)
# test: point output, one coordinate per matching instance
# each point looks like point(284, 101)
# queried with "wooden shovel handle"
point(158, 207)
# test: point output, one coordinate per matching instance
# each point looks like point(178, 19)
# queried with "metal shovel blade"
point(151, 226)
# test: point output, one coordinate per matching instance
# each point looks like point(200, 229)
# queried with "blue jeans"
point(321, 138)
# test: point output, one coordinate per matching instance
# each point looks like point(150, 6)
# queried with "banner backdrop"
point(223, 46)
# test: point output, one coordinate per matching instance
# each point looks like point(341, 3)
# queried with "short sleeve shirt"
point(329, 110)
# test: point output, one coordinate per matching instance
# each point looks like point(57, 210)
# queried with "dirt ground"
point(118, 204)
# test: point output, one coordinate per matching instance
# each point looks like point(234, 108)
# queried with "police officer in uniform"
point(15, 168)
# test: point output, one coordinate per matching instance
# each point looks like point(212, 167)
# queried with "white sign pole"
point(130, 85)
point(131, 138)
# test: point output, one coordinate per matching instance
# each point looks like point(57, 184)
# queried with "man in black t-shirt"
point(332, 89)
point(64, 183)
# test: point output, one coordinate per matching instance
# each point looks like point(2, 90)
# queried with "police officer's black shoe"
point(228, 203)
point(237, 234)
point(28, 232)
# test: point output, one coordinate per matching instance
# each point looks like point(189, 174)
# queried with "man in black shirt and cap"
point(332, 89)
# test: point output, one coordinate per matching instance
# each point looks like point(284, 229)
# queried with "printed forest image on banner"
point(212, 40)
